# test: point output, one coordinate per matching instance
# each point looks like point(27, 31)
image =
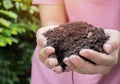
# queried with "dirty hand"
point(104, 62)
point(45, 52)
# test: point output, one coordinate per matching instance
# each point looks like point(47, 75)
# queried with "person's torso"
point(101, 13)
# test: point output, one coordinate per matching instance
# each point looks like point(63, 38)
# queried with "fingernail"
point(108, 48)
point(66, 59)
point(83, 53)
point(53, 69)
point(67, 68)
point(50, 49)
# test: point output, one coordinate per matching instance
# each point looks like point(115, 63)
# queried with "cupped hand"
point(46, 52)
point(103, 62)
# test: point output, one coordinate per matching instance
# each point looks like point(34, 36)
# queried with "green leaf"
point(9, 14)
point(22, 30)
point(23, 6)
point(6, 32)
point(5, 22)
point(14, 77)
point(6, 63)
point(1, 29)
point(2, 41)
point(8, 40)
point(17, 5)
point(33, 9)
point(8, 4)
point(14, 40)
point(9, 81)
point(14, 31)
point(12, 15)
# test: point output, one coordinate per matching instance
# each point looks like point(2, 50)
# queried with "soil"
point(70, 38)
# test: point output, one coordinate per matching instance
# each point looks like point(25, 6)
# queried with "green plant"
point(18, 24)
point(16, 17)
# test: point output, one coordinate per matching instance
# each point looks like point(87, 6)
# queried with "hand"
point(104, 62)
point(45, 52)
point(41, 39)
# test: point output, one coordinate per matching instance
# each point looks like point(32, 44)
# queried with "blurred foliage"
point(19, 20)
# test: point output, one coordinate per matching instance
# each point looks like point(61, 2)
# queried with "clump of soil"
point(70, 38)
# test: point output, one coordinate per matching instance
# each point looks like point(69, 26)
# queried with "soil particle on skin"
point(68, 39)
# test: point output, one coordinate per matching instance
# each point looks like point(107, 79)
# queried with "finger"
point(45, 52)
point(46, 62)
point(58, 69)
point(77, 62)
point(98, 58)
point(86, 67)
point(41, 41)
point(51, 62)
point(40, 38)
point(68, 63)
point(113, 42)
point(67, 69)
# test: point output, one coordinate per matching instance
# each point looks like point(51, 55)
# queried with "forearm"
point(52, 14)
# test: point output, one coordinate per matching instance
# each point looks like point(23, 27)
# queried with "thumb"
point(113, 42)
point(40, 38)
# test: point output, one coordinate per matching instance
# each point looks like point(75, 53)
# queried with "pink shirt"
point(101, 13)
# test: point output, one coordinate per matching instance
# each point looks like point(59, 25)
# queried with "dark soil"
point(70, 38)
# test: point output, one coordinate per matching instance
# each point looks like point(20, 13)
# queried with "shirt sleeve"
point(47, 1)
